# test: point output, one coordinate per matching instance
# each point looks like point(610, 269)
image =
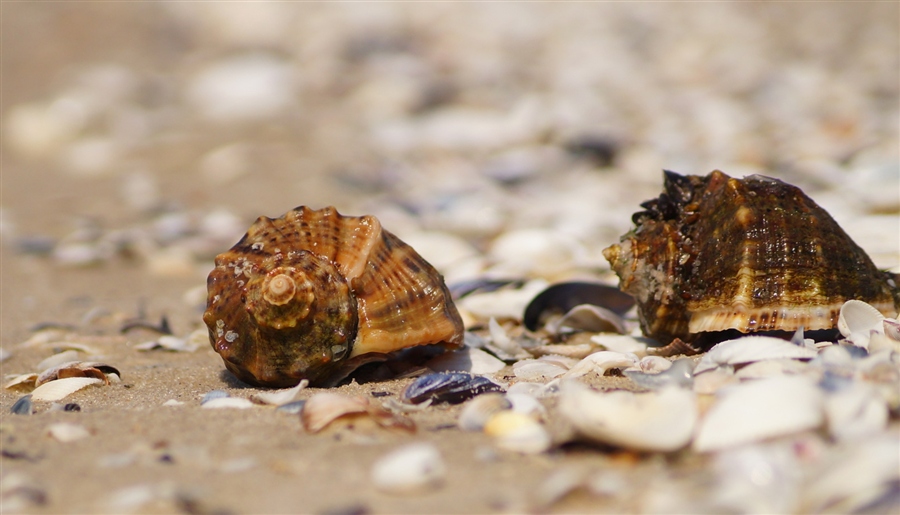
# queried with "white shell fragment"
point(21, 382)
point(413, 468)
point(600, 362)
point(748, 349)
point(621, 342)
point(227, 402)
point(538, 369)
point(62, 388)
point(517, 432)
point(67, 432)
point(758, 410)
point(590, 318)
point(66, 356)
point(855, 411)
point(279, 397)
point(858, 320)
point(170, 343)
point(662, 420)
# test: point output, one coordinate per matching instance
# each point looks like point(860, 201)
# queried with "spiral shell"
point(756, 254)
point(314, 294)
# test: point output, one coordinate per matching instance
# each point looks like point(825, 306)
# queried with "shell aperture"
point(713, 253)
point(314, 294)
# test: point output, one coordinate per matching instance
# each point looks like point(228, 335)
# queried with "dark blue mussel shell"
point(450, 387)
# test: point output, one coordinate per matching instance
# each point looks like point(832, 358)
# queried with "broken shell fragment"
point(324, 408)
point(62, 388)
point(680, 374)
point(78, 369)
point(227, 403)
point(413, 468)
point(663, 420)
point(748, 349)
point(585, 317)
point(314, 294)
point(758, 410)
point(21, 382)
point(563, 297)
point(22, 406)
point(755, 254)
point(600, 362)
point(453, 388)
point(279, 397)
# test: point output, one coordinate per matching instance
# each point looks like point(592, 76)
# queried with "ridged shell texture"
point(314, 294)
point(755, 254)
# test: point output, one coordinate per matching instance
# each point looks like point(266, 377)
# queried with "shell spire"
point(756, 254)
point(314, 294)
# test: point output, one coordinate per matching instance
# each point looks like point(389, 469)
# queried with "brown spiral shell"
point(756, 254)
point(314, 294)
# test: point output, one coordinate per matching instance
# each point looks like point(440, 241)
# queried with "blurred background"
point(497, 138)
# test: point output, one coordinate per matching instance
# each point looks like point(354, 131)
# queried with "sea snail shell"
point(714, 253)
point(314, 294)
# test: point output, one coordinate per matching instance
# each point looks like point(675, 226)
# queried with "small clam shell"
point(476, 412)
point(678, 374)
point(413, 468)
point(760, 409)
point(656, 421)
point(67, 356)
point(622, 342)
point(279, 397)
point(323, 408)
point(467, 359)
point(538, 369)
point(654, 364)
point(62, 388)
point(447, 387)
point(586, 317)
point(858, 320)
point(518, 432)
point(67, 432)
point(600, 362)
point(562, 297)
point(77, 369)
point(21, 382)
point(748, 349)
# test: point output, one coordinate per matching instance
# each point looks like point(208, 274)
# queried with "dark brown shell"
point(314, 294)
point(755, 254)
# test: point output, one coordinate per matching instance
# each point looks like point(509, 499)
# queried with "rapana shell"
point(757, 410)
point(413, 468)
point(662, 420)
point(748, 349)
point(314, 295)
point(715, 253)
point(62, 388)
